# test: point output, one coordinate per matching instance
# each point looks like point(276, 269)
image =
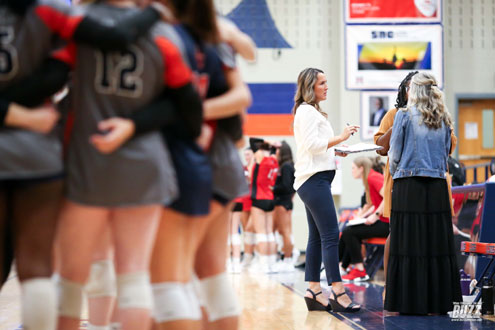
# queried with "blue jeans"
point(323, 227)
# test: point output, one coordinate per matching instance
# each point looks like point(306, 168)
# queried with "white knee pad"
point(134, 291)
point(270, 238)
point(221, 301)
point(70, 298)
point(235, 239)
point(39, 304)
point(249, 238)
point(102, 280)
point(261, 238)
point(98, 327)
point(196, 287)
point(175, 301)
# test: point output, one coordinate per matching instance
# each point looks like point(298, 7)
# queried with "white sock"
point(98, 327)
point(115, 326)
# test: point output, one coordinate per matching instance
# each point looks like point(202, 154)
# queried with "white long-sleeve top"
point(312, 133)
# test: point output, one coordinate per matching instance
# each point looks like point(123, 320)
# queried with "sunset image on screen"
point(394, 56)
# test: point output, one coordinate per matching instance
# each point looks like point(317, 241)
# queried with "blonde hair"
point(425, 95)
point(306, 82)
point(366, 164)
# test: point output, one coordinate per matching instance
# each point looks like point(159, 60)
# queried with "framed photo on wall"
point(380, 56)
point(374, 106)
point(393, 11)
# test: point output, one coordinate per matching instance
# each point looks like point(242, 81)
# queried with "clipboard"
point(358, 147)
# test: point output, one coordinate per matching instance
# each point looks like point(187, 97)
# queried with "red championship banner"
point(393, 11)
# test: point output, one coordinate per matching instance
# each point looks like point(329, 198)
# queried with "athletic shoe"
point(285, 266)
point(229, 266)
point(323, 275)
point(236, 266)
point(343, 271)
point(247, 261)
point(295, 256)
point(356, 275)
point(289, 265)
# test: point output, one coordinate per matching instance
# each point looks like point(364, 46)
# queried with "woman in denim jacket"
point(423, 277)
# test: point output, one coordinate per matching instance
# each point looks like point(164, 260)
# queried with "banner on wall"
point(380, 56)
point(393, 11)
point(374, 106)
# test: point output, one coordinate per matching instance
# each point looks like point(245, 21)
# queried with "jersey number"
point(120, 72)
point(8, 53)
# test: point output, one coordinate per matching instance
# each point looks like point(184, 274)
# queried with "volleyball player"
point(170, 275)
point(94, 191)
point(284, 193)
point(31, 167)
point(240, 215)
point(234, 240)
point(246, 221)
point(263, 176)
point(228, 177)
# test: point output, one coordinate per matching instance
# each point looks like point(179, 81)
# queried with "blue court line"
point(339, 316)
point(371, 315)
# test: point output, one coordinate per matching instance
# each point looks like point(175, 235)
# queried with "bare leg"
point(261, 227)
point(235, 221)
point(386, 254)
point(283, 223)
point(210, 259)
point(35, 214)
point(78, 229)
point(6, 246)
point(248, 227)
point(173, 257)
point(134, 231)
point(101, 307)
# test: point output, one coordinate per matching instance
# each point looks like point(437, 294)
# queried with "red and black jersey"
point(263, 178)
point(375, 183)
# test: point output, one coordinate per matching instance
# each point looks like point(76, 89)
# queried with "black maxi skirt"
point(422, 276)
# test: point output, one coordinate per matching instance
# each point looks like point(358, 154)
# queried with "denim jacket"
point(415, 149)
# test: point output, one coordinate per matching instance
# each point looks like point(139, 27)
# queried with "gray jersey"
point(229, 180)
point(24, 43)
point(109, 84)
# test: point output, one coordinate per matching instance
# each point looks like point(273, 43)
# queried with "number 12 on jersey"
point(120, 72)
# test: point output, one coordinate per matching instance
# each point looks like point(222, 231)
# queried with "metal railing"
point(489, 170)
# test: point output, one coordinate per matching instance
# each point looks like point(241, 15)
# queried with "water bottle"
point(487, 297)
point(465, 281)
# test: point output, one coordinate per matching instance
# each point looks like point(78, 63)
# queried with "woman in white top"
point(315, 170)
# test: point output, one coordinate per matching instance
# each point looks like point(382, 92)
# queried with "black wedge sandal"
point(315, 305)
point(338, 308)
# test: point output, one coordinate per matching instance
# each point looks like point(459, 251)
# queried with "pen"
point(350, 125)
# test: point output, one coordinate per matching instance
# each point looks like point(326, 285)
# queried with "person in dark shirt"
point(377, 116)
point(284, 194)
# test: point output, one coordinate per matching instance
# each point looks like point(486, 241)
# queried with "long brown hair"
point(306, 82)
point(285, 154)
point(365, 163)
point(199, 16)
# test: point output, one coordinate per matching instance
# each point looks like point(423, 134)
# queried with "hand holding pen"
point(348, 131)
